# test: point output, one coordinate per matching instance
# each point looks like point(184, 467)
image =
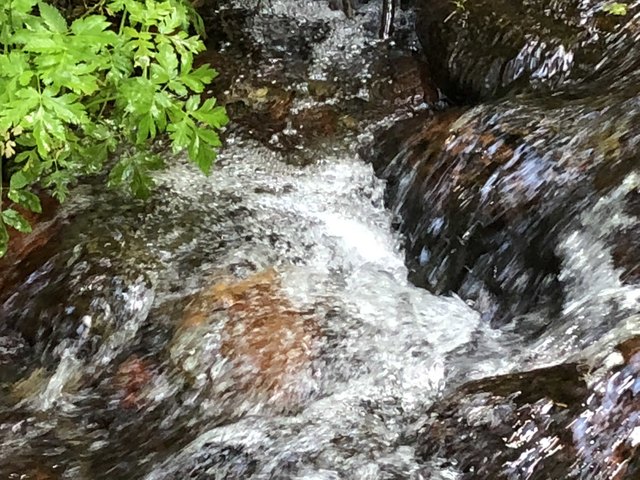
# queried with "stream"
point(270, 321)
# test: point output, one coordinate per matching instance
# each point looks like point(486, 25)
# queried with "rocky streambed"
point(416, 259)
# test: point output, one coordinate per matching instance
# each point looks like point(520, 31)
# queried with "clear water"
point(100, 378)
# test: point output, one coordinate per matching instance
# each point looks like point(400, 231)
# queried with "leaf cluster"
point(616, 8)
point(73, 92)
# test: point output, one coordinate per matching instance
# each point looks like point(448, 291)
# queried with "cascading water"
point(260, 324)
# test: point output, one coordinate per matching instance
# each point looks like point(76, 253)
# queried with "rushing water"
point(138, 350)
point(385, 351)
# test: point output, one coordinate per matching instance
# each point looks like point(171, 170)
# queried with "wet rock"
point(486, 417)
point(99, 310)
point(263, 31)
point(402, 80)
point(626, 242)
point(541, 424)
point(133, 375)
point(290, 101)
point(344, 5)
point(75, 311)
point(316, 122)
point(479, 49)
point(222, 462)
point(322, 90)
point(486, 195)
point(250, 325)
point(13, 348)
point(26, 250)
point(38, 473)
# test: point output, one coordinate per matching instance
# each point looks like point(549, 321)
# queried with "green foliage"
point(615, 9)
point(117, 77)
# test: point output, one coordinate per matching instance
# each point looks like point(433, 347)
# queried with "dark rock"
point(316, 122)
point(220, 462)
point(626, 242)
point(80, 290)
point(539, 425)
point(402, 79)
point(479, 49)
point(485, 195)
point(26, 250)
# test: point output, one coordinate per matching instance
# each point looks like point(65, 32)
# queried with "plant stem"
point(99, 101)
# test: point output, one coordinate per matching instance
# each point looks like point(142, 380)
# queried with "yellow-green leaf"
point(12, 218)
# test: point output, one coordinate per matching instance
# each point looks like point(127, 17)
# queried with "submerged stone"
point(267, 344)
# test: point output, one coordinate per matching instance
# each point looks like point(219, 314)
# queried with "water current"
point(142, 347)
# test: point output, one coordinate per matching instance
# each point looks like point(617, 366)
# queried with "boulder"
point(541, 424)
point(486, 195)
point(480, 49)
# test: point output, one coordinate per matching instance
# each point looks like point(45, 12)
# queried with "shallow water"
point(387, 348)
point(105, 373)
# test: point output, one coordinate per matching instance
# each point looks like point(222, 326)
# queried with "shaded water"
point(260, 324)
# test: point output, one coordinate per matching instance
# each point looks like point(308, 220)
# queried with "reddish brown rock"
point(25, 249)
point(132, 376)
point(266, 338)
point(316, 122)
point(403, 80)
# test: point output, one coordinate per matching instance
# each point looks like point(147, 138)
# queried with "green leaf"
point(203, 155)
point(133, 172)
point(204, 74)
point(12, 218)
point(23, 6)
point(185, 44)
point(98, 154)
point(141, 184)
point(146, 129)
point(168, 60)
point(72, 92)
point(179, 88)
point(14, 64)
point(4, 239)
point(91, 26)
point(19, 180)
point(119, 173)
point(27, 199)
point(59, 181)
point(616, 8)
point(136, 95)
point(181, 134)
point(66, 106)
point(159, 75)
point(192, 103)
point(176, 20)
point(52, 17)
point(44, 142)
point(208, 113)
point(209, 136)
point(115, 6)
point(197, 79)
